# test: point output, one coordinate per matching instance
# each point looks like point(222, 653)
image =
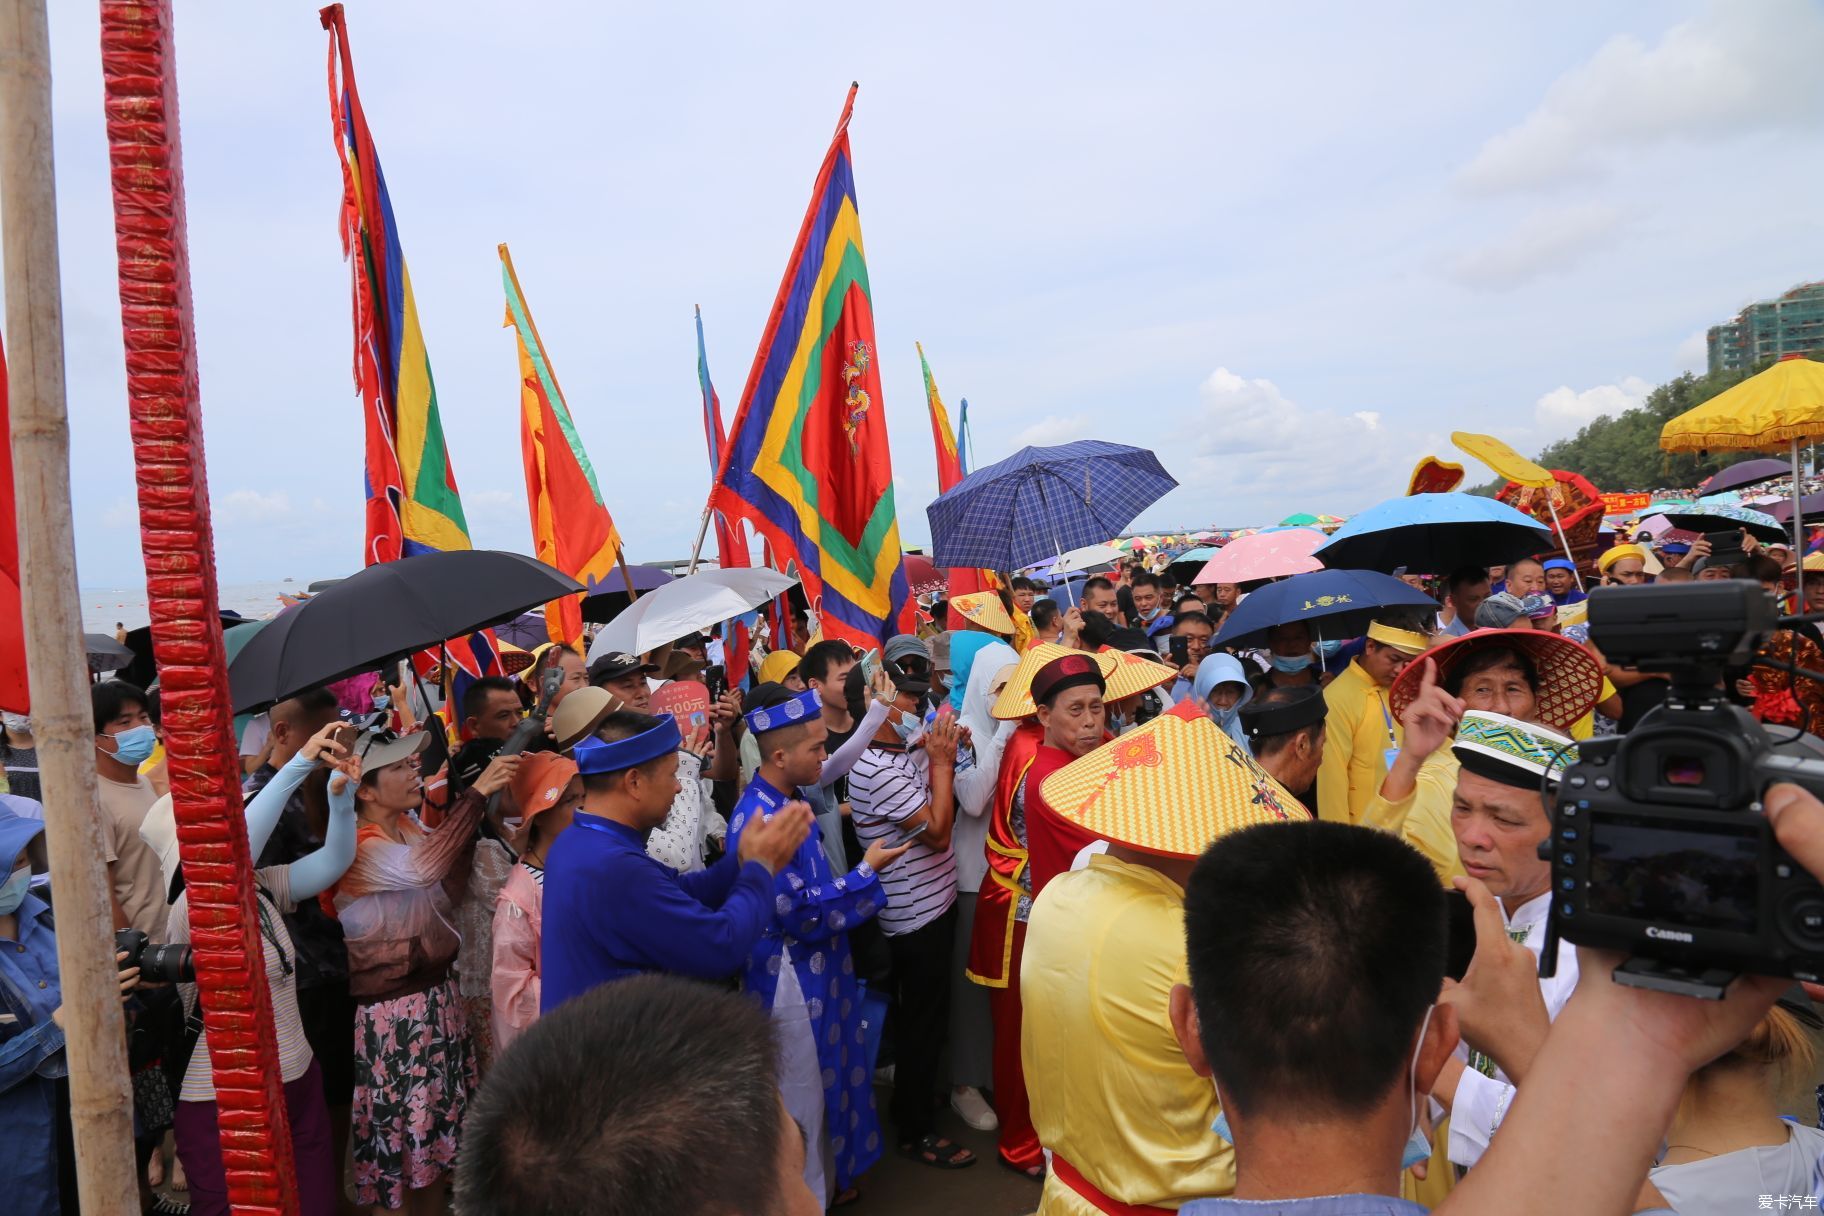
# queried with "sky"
point(1289, 248)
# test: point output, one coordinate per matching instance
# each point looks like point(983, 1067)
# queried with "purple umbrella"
point(1745, 473)
point(608, 596)
point(1811, 504)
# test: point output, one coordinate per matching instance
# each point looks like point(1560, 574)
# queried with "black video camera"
point(158, 963)
point(1659, 846)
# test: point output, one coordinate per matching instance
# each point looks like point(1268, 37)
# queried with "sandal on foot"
point(844, 1199)
point(939, 1153)
point(1034, 1172)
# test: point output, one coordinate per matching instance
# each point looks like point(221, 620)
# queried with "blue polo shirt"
point(611, 911)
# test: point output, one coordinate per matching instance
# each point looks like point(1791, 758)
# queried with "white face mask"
point(19, 724)
point(1418, 1144)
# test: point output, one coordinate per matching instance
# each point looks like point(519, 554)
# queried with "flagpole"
point(1562, 538)
point(1798, 533)
point(101, 1097)
point(696, 550)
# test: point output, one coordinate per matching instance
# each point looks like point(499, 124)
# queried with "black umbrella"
point(142, 670)
point(608, 597)
point(1744, 473)
point(104, 653)
point(385, 612)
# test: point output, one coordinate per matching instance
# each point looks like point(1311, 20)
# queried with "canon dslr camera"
point(158, 963)
point(1659, 846)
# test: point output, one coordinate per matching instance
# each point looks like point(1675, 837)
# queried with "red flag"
point(15, 697)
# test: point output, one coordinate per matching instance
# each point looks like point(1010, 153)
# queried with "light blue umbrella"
point(1435, 534)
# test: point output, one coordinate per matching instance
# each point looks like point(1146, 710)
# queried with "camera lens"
point(172, 963)
point(1803, 917)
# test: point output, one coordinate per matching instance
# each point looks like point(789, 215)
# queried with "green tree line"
point(1621, 453)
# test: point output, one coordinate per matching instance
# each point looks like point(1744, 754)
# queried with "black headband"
point(1305, 709)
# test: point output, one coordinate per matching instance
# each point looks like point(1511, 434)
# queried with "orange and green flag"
point(571, 527)
point(949, 458)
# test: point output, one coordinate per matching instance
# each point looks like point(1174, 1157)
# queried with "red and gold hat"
point(1123, 674)
point(984, 608)
point(1570, 679)
point(1172, 787)
point(1015, 700)
point(1129, 674)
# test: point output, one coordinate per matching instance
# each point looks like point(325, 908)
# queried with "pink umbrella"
point(1265, 555)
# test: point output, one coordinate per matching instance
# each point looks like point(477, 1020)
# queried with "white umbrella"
point(687, 605)
point(1087, 558)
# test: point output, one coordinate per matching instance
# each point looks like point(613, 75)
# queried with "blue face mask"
point(906, 726)
point(134, 745)
point(1418, 1145)
point(1330, 649)
point(1290, 663)
point(12, 891)
point(1224, 718)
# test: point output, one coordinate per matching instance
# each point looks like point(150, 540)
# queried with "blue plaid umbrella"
point(1040, 502)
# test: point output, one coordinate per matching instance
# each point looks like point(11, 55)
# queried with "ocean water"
point(102, 607)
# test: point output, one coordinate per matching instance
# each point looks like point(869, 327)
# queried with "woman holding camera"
point(414, 1064)
point(278, 889)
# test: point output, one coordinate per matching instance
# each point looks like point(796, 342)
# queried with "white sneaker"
point(973, 1109)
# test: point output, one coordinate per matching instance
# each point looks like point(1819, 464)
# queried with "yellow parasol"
point(1518, 469)
point(1778, 408)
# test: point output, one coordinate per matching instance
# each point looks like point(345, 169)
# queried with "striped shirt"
point(886, 788)
point(281, 981)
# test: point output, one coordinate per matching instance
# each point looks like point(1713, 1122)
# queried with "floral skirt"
point(414, 1071)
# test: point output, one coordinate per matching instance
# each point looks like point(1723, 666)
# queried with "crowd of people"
point(1170, 919)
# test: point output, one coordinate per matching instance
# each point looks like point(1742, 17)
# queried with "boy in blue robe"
point(802, 970)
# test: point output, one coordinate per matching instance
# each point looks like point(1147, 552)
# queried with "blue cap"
point(594, 756)
point(1559, 563)
point(16, 831)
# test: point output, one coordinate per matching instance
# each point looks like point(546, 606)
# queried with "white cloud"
point(1740, 66)
point(250, 506)
point(1052, 429)
point(1565, 410)
point(1255, 453)
point(1544, 242)
point(1693, 354)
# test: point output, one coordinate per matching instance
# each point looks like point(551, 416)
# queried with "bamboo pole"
point(101, 1098)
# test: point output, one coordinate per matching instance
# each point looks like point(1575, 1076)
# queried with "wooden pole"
point(139, 84)
point(101, 1096)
